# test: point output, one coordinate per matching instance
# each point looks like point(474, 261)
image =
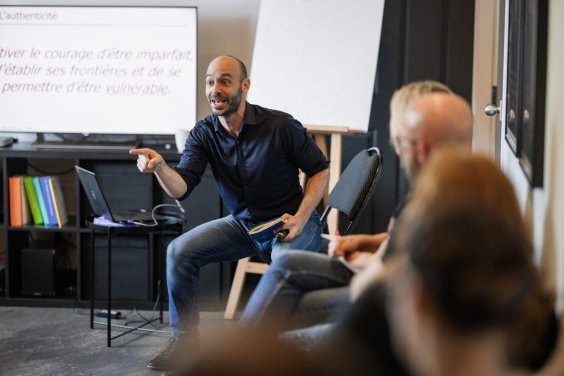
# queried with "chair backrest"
point(355, 186)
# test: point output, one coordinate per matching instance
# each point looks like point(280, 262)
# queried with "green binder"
point(32, 198)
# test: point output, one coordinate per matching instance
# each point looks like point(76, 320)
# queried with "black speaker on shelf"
point(38, 271)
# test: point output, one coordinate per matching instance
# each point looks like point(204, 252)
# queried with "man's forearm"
point(171, 181)
point(371, 243)
point(314, 191)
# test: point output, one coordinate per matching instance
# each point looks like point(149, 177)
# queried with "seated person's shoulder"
point(364, 331)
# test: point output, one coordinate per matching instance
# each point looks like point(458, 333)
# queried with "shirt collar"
point(249, 117)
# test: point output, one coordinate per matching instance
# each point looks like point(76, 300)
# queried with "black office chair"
point(349, 196)
point(355, 186)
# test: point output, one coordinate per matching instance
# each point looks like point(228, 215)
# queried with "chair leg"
point(236, 288)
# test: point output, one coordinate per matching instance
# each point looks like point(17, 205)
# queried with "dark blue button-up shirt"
point(256, 173)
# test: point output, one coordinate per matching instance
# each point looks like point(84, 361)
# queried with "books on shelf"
point(32, 199)
point(58, 201)
point(37, 198)
point(41, 200)
point(26, 212)
point(18, 203)
point(15, 202)
point(49, 202)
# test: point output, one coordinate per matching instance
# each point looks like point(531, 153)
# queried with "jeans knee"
point(175, 252)
point(286, 260)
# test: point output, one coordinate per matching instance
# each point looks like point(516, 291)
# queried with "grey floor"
point(59, 341)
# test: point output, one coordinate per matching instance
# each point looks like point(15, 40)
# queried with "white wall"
point(484, 75)
point(224, 27)
point(544, 207)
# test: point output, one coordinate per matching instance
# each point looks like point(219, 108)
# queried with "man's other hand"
point(293, 224)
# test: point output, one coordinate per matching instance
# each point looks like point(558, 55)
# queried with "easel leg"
point(334, 155)
point(335, 173)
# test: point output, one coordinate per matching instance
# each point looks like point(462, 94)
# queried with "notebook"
point(100, 206)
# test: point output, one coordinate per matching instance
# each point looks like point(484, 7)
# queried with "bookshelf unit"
point(125, 188)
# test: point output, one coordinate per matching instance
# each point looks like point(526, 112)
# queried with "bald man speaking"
point(255, 155)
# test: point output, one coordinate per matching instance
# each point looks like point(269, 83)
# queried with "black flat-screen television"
point(98, 69)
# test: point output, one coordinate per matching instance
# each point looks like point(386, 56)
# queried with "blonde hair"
point(401, 99)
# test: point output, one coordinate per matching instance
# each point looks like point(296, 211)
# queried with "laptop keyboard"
point(135, 215)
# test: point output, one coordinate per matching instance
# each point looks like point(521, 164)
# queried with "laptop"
point(100, 206)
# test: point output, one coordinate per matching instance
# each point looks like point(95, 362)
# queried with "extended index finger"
point(146, 152)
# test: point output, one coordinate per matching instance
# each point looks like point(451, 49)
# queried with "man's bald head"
point(431, 121)
point(440, 119)
point(229, 62)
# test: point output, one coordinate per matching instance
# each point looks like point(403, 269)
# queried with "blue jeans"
point(298, 289)
point(223, 239)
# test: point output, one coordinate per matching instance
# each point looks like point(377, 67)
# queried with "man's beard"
point(234, 102)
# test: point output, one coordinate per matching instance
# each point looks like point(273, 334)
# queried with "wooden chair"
point(244, 266)
point(350, 196)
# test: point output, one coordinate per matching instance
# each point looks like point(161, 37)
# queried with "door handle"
point(492, 110)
